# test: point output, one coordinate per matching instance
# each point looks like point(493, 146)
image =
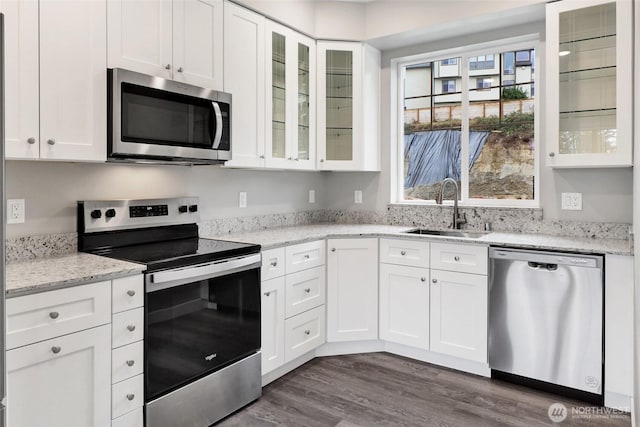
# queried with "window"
point(492, 122)
point(449, 61)
point(448, 86)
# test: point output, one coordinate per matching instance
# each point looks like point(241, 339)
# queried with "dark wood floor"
point(380, 389)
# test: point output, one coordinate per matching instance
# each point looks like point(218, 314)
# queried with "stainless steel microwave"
point(154, 120)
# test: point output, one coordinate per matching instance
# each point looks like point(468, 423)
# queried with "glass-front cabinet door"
point(348, 106)
point(290, 134)
point(589, 75)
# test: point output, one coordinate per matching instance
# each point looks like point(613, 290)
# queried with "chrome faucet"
point(458, 220)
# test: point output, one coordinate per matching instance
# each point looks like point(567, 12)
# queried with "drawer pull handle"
point(130, 396)
point(307, 290)
point(457, 258)
point(333, 249)
point(274, 263)
point(434, 280)
point(306, 256)
point(56, 349)
point(54, 314)
point(266, 294)
point(130, 363)
point(423, 279)
point(131, 293)
point(403, 252)
point(307, 332)
point(131, 328)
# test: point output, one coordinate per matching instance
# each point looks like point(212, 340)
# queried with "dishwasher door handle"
point(542, 266)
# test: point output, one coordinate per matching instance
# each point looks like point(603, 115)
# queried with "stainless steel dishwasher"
point(545, 319)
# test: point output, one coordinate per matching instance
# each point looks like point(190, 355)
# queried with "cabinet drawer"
point(37, 317)
point(132, 419)
point(304, 332)
point(305, 290)
point(305, 255)
point(127, 396)
point(126, 361)
point(404, 252)
point(458, 257)
point(272, 263)
point(127, 293)
point(128, 327)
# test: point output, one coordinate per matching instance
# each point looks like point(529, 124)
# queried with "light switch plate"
point(572, 201)
point(242, 199)
point(312, 196)
point(357, 196)
point(15, 211)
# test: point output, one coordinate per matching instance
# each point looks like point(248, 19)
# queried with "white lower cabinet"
point(134, 418)
point(352, 289)
point(404, 305)
point(272, 325)
point(304, 332)
point(459, 314)
point(61, 382)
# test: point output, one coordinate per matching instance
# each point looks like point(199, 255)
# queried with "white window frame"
point(530, 41)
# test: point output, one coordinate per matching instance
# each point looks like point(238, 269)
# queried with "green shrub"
point(514, 93)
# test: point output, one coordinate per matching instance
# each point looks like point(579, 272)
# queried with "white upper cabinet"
point(244, 65)
point(180, 39)
point(348, 106)
point(290, 86)
point(589, 72)
point(56, 80)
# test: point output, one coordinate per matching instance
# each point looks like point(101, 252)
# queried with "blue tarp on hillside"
point(435, 155)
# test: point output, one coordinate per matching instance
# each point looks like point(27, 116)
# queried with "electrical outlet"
point(357, 196)
point(15, 211)
point(242, 199)
point(572, 201)
point(312, 196)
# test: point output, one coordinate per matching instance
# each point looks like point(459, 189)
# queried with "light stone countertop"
point(45, 274)
point(276, 237)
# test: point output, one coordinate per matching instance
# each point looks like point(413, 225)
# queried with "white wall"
point(51, 190)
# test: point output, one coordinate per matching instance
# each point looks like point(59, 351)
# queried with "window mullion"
point(464, 151)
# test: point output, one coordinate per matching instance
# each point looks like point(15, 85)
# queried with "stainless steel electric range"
point(202, 306)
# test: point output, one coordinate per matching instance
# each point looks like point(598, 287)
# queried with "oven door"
point(198, 320)
point(157, 118)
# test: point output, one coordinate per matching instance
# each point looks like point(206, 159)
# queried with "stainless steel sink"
point(449, 233)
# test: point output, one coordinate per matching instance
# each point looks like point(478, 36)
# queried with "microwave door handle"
point(218, 136)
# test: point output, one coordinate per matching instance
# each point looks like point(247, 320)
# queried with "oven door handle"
point(176, 277)
point(218, 136)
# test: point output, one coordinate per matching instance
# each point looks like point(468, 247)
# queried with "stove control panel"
point(109, 215)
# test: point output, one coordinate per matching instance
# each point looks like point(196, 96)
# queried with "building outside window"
point(449, 61)
point(483, 137)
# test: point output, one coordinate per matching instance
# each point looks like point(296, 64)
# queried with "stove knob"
point(182, 208)
point(193, 208)
point(110, 213)
point(96, 213)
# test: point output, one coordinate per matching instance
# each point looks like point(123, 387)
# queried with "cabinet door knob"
point(31, 140)
point(552, 154)
point(456, 258)
point(262, 157)
point(131, 328)
point(131, 396)
point(307, 332)
point(266, 294)
point(56, 349)
point(434, 280)
point(180, 69)
point(423, 279)
point(321, 160)
point(333, 249)
point(167, 67)
point(307, 290)
point(130, 362)
point(307, 256)
point(54, 314)
point(403, 252)
point(274, 263)
point(51, 141)
point(131, 293)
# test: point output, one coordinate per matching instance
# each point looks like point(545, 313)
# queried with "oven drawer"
point(126, 362)
point(305, 290)
point(404, 252)
point(304, 332)
point(132, 419)
point(272, 263)
point(128, 327)
point(459, 257)
point(305, 255)
point(127, 396)
point(127, 293)
point(38, 317)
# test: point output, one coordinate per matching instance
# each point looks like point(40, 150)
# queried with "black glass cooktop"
point(178, 253)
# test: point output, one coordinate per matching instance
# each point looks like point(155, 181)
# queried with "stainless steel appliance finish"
point(209, 399)
point(3, 233)
point(165, 121)
point(545, 317)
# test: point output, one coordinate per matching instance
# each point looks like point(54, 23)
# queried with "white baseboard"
point(458, 364)
point(349, 347)
point(618, 401)
point(287, 367)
